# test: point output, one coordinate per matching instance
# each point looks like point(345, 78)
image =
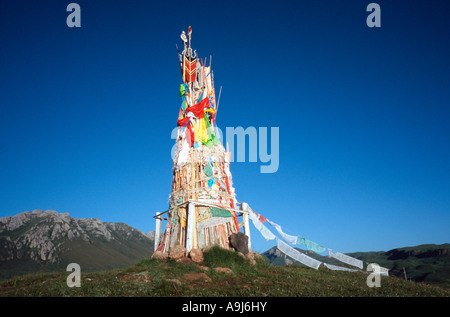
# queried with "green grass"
point(151, 277)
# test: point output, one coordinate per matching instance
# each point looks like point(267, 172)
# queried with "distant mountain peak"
point(48, 237)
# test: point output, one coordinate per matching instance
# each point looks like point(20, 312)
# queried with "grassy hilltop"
point(223, 273)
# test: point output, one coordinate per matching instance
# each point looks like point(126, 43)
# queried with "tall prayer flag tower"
point(203, 210)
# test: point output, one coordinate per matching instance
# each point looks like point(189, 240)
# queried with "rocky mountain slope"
point(47, 241)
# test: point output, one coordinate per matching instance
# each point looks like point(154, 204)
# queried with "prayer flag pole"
point(183, 37)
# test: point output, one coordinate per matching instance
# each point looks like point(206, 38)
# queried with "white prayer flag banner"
point(212, 222)
point(340, 268)
point(298, 256)
point(286, 237)
point(378, 269)
point(346, 259)
point(266, 233)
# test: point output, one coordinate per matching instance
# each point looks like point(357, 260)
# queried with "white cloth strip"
point(286, 237)
point(384, 271)
point(378, 269)
point(213, 221)
point(340, 268)
point(183, 154)
point(346, 259)
point(298, 256)
point(266, 233)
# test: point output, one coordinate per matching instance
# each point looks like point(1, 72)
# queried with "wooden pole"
point(157, 231)
point(195, 237)
point(189, 33)
point(190, 227)
point(212, 86)
point(184, 63)
point(217, 108)
point(244, 207)
point(180, 61)
point(180, 232)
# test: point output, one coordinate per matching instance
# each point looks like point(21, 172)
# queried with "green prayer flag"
point(310, 245)
point(219, 212)
point(183, 104)
point(208, 170)
point(182, 90)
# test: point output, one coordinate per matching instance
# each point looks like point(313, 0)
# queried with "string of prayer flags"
point(259, 220)
point(290, 239)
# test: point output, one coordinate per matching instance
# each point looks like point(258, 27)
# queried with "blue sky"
point(363, 113)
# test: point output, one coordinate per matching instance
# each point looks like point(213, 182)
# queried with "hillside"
point(222, 273)
point(47, 241)
point(42, 244)
point(427, 263)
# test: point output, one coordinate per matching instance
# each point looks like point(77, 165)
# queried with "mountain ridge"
point(47, 241)
point(39, 240)
point(429, 263)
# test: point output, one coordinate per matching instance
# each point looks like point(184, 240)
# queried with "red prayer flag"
point(190, 68)
point(199, 109)
point(190, 135)
point(182, 122)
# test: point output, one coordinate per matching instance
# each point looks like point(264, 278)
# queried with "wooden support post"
point(244, 207)
point(194, 233)
point(157, 231)
point(190, 226)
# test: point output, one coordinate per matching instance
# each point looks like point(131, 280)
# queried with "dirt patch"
point(140, 277)
point(196, 277)
point(223, 270)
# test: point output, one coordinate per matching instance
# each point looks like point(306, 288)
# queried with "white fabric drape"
point(298, 256)
point(183, 154)
point(286, 237)
point(377, 269)
point(340, 268)
point(213, 221)
point(266, 233)
point(346, 259)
